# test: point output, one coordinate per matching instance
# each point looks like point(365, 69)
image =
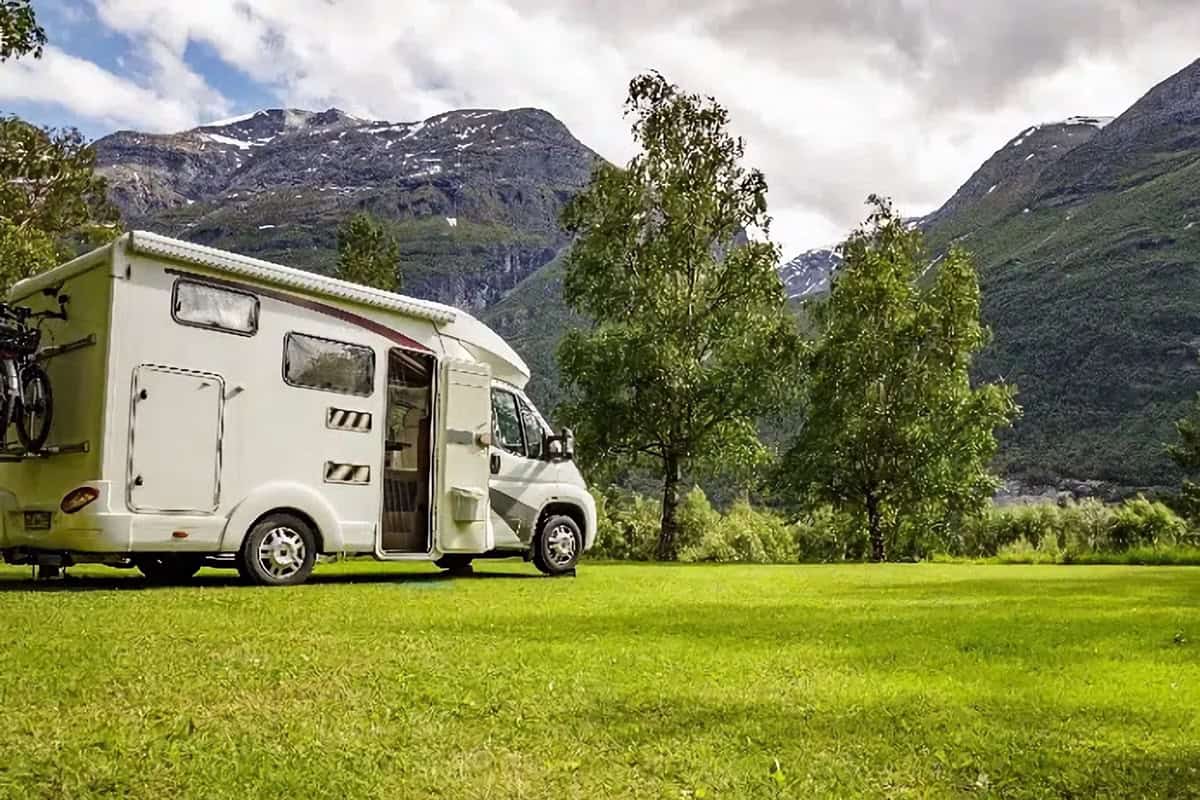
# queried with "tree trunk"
point(670, 505)
point(875, 526)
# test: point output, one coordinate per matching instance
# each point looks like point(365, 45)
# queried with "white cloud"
point(836, 98)
point(94, 93)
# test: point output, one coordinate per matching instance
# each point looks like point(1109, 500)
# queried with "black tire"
point(455, 564)
point(169, 568)
point(242, 572)
point(6, 417)
point(33, 417)
point(280, 550)
point(557, 545)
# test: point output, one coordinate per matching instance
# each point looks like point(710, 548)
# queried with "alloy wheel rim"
point(282, 552)
point(560, 546)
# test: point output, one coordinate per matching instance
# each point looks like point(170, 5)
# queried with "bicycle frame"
point(16, 364)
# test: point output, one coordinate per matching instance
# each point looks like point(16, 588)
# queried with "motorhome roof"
point(189, 253)
point(458, 324)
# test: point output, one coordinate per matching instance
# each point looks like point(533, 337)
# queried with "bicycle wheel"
point(6, 408)
point(35, 409)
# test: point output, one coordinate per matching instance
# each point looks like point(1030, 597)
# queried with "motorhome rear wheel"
point(280, 550)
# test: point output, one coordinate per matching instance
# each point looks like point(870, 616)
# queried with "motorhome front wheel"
point(557, 546)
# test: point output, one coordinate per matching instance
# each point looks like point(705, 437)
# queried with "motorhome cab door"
point(520, 470)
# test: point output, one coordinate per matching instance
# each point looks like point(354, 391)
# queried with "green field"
point(628, 681)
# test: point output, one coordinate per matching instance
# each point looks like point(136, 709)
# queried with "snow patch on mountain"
point(227, 140)
point(809, 273)
point(1095, 122)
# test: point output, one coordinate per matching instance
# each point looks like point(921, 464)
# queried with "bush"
point(697, 518)
point(743, 534)
point(627, 526)
point(1023, 552)
point(1084, 527)
point(1138, 531)
point(759, 537)
point(1143, 522)
point(985, 536)
point(1071, 532)
point(824, 535)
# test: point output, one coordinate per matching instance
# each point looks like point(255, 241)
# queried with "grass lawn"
point(628, 681)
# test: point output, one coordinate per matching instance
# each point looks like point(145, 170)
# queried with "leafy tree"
point(19, 32)
point(51, 200)
point(368, 254)
point(1186, 455)
point(689, 342)
point(893, 425)
point(1186, 452)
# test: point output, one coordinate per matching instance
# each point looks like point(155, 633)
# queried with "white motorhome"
point(213, 409)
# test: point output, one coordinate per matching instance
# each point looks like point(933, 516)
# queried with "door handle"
point(495, 463)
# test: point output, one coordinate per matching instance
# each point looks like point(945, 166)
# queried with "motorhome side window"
point(535, 434)
point(506, 422)
point(214, 307)
point(314, 363)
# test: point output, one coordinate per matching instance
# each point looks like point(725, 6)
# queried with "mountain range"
point(1086, 233)
point(474, 195)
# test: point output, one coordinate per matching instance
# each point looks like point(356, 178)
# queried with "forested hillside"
point(1090, 268)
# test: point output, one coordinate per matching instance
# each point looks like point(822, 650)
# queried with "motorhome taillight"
point(78, 498)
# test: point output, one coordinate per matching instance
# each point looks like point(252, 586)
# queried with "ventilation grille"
point(344, 419)
point(347, 473)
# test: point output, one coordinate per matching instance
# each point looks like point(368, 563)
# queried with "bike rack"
point(13, 454)
point(58, 349)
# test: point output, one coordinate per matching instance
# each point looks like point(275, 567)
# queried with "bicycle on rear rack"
point(26, 398)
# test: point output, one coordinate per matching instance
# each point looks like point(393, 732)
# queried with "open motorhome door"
point(466, 426)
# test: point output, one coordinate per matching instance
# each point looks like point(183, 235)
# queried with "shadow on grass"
point(134, 581)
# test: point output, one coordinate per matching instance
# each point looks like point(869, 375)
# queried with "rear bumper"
point(98, 528)
point(92, 529)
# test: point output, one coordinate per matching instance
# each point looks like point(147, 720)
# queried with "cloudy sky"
point(835, 98)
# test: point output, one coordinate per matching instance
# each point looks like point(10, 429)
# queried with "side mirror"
point(561, 447)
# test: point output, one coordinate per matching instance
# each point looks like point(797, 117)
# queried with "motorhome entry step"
point(10, 454)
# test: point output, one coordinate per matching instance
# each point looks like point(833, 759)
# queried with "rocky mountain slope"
point(1091, 282)
point(474, 195)
point(1000, 186)
point(808, 273)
